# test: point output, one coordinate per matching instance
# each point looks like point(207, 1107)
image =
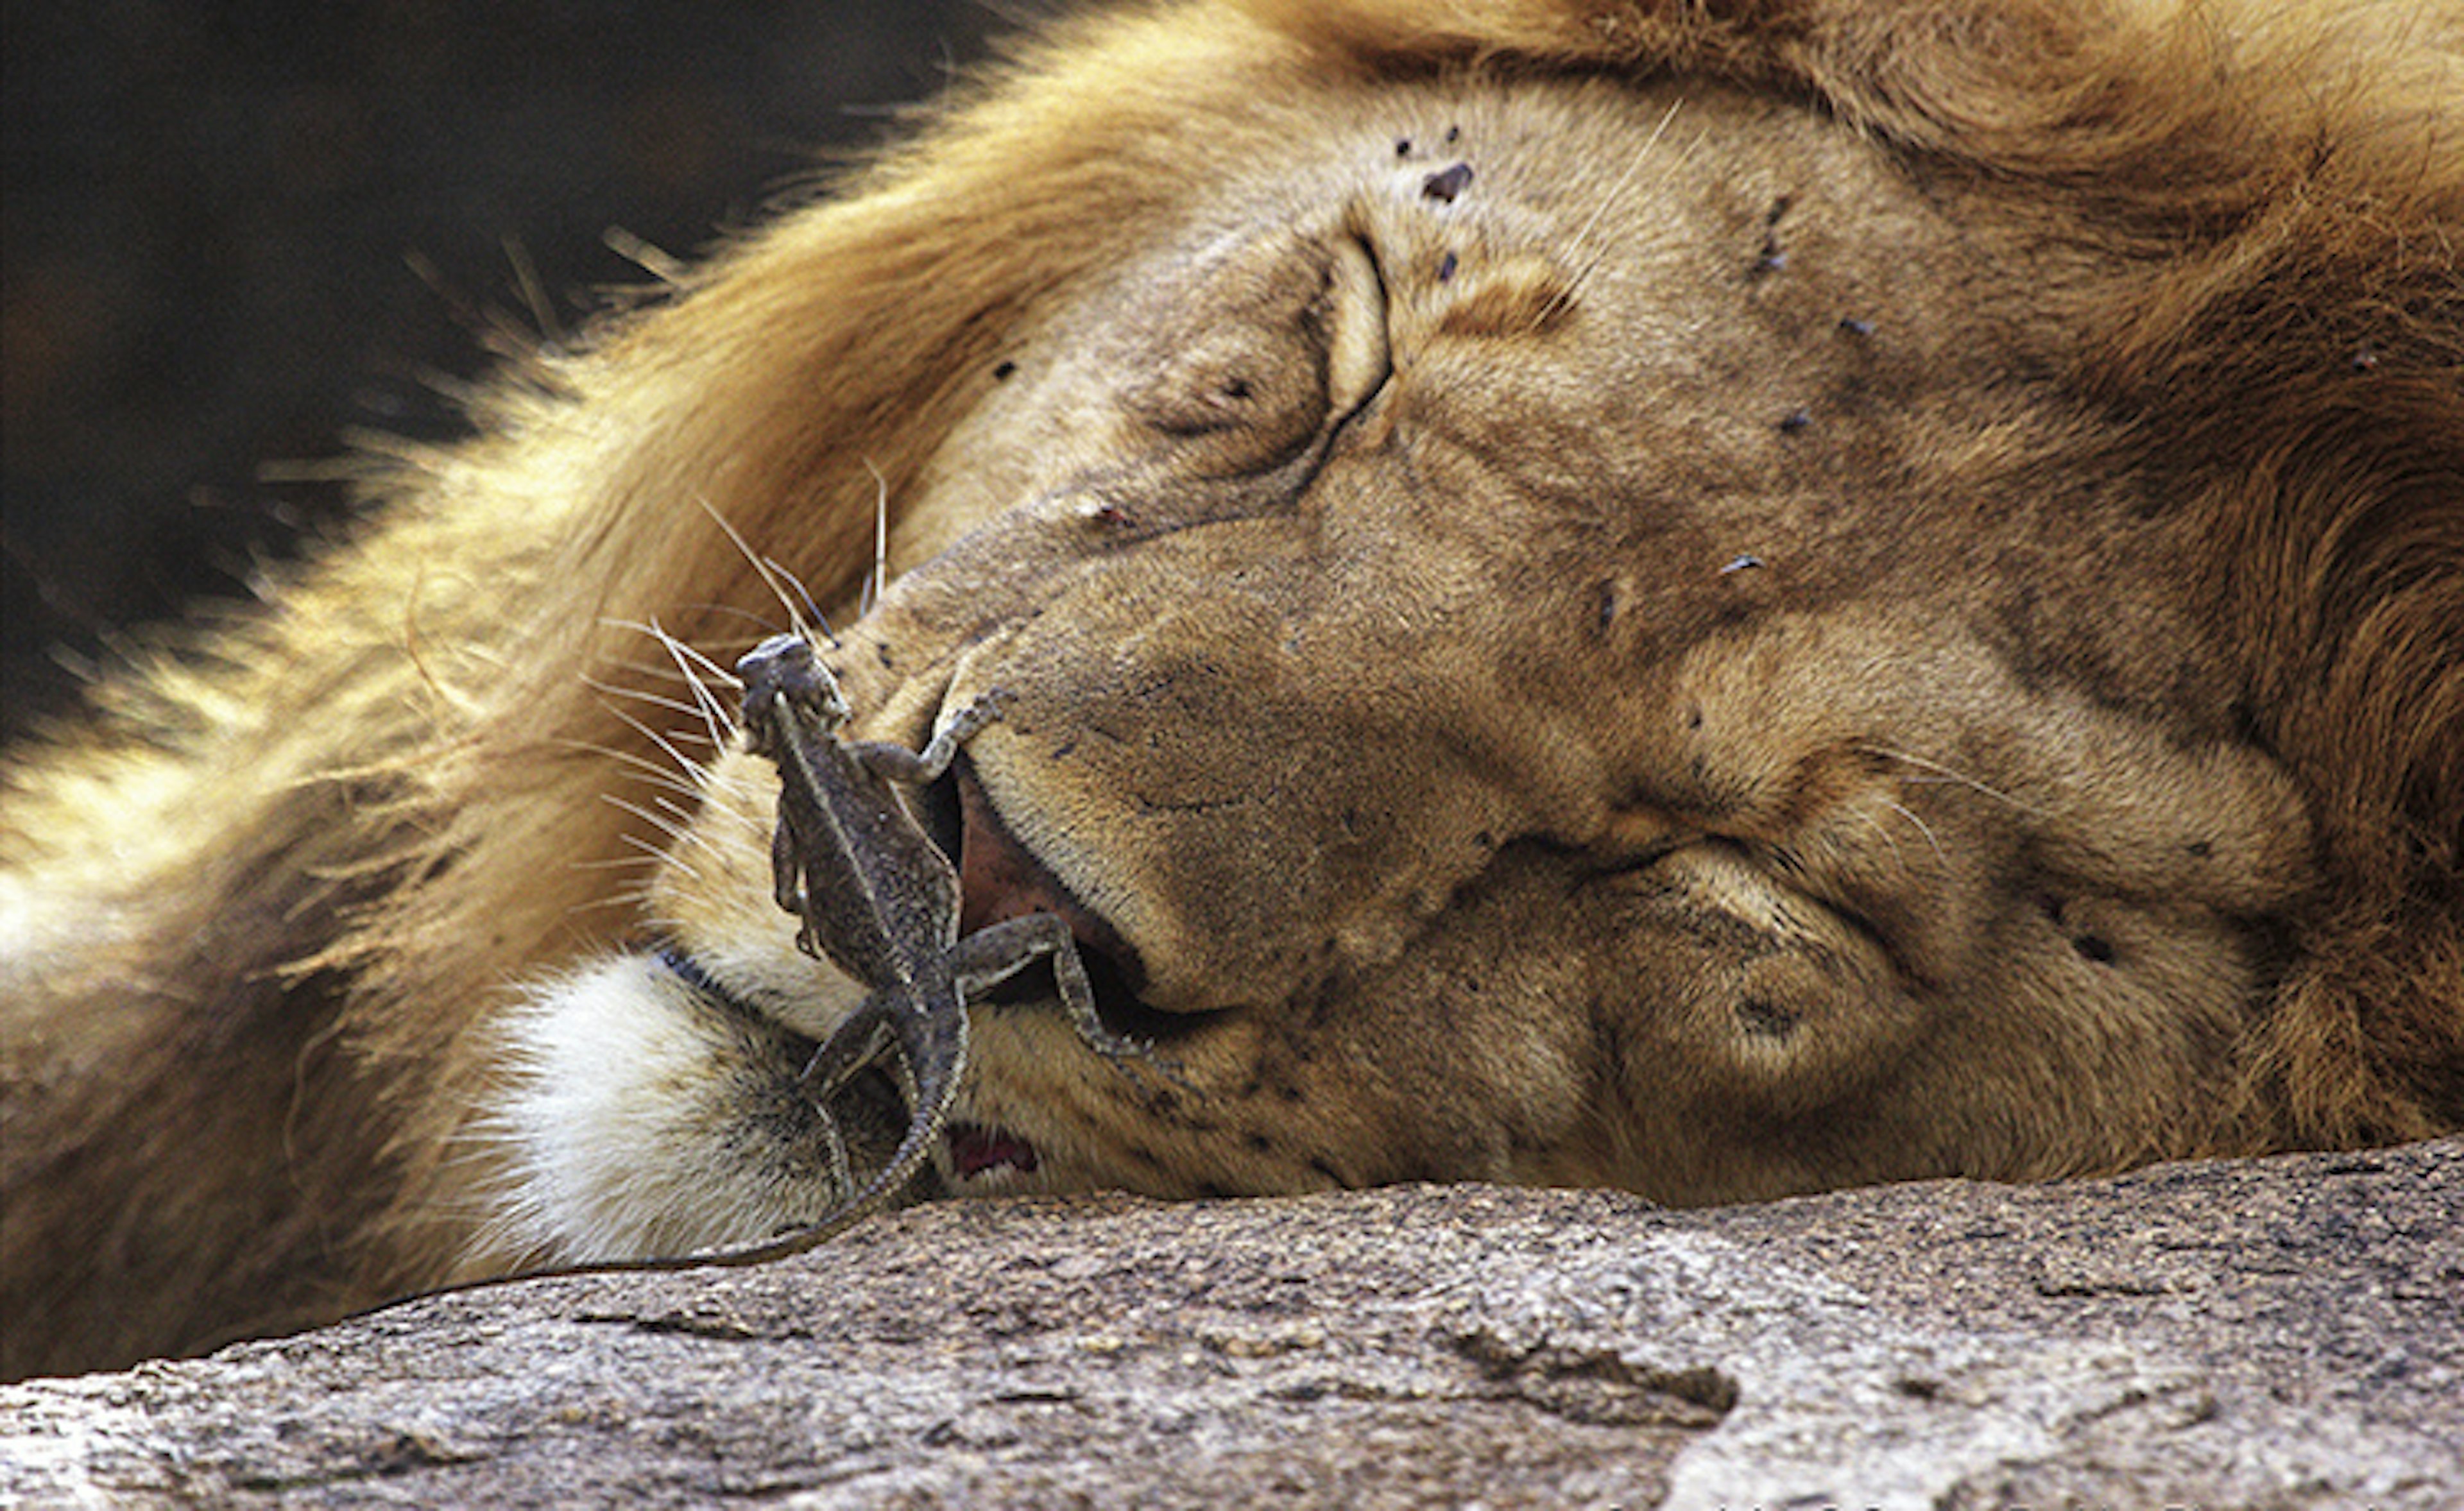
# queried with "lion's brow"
point(1522, 294)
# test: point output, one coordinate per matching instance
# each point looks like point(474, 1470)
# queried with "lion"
point(1724, 600)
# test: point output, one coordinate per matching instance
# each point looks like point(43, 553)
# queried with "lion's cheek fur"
point(712, 895)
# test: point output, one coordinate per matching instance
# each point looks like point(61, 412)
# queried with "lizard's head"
point(787, 668)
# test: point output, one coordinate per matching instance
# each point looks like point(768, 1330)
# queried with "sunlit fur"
point(268, 916)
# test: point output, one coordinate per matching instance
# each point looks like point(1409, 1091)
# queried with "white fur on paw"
point(634, 1125)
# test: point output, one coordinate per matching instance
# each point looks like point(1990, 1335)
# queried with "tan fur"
point(2109, 601)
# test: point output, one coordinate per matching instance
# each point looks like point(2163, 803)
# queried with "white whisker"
point(1587, 261)
point(689, 783)
point(715, 717)
point(668, 804)
point(659, 855)
point(677, 649)
point(1948, 774)
point(1903, 811)
point(772, 573)
point(699, 769)
point(655, 700)
point(682, 833)
point(618, 862)
point(872, 585)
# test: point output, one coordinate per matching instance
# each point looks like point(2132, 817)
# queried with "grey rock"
point(2276, 1333)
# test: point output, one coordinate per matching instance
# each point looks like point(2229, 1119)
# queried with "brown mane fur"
point(346, 820)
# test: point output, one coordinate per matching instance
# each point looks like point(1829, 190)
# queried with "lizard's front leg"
point(916, 768)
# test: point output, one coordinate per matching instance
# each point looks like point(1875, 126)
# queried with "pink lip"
point(998, 879)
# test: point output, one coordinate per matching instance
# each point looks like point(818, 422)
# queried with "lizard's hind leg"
point(862, 1039)
point(925, 1052)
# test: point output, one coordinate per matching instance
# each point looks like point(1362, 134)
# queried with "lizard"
point(879, 900)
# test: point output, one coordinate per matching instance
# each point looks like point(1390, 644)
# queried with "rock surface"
point(2272, 1334)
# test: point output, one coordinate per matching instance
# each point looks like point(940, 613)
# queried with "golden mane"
point(390, 787)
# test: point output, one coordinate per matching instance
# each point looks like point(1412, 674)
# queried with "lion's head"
point(1721, 604)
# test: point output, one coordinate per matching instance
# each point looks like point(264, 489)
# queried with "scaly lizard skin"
point(880, 901)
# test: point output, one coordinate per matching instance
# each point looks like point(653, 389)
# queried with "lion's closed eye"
point(1284, 338)
point(1352, 312)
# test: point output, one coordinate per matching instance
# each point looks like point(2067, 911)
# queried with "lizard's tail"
point(935, 1048)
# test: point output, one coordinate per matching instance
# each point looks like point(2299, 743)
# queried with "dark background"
point(231, 234)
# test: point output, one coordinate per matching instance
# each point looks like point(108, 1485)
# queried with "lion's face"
point(1720, 600)
point(1547, 636)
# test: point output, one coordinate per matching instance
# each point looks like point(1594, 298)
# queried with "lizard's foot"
point(997, 951)
point(929, 763)
point(985, 708)
point(1121, 1052)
